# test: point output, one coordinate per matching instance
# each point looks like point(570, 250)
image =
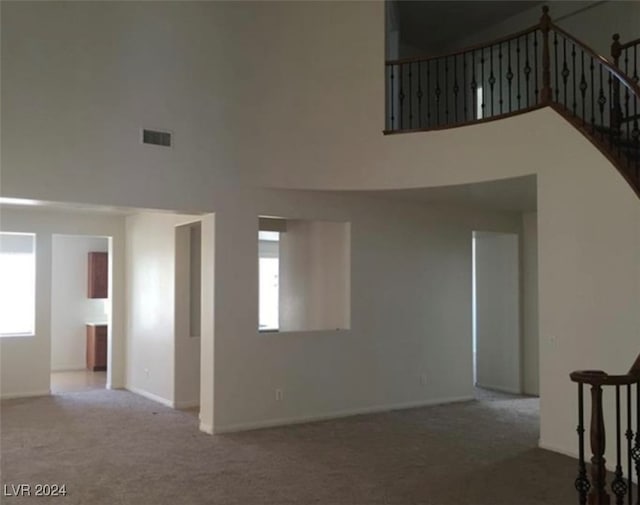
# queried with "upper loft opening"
point(453, 80)
point(421, 28)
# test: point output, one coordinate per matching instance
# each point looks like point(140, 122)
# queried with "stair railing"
point(627, 394)
point(627, 57)
point(542, 66)
point(599, 99)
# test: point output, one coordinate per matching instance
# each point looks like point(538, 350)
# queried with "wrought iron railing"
point(472, 85)
point(594, 490)
point(599, 99)
point(538, 67)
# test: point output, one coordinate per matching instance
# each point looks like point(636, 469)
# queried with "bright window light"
point(17, 284)
point(269, 266)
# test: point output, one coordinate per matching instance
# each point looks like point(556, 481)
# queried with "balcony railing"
point(538, 67)
point(594, 490)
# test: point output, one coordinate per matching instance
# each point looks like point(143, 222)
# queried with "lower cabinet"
point(97, 347)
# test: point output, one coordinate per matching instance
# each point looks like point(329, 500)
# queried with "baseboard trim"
point(192, 404)
point(30, 394)
point(150, 396)
point(69, 369)
point(499, 388)
point(553, 448)
point(272, 423)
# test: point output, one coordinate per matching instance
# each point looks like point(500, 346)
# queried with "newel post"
point(616, 109)
point(545, 27)
point(616, 49)
point(598, 494)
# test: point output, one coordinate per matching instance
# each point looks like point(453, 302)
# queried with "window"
point(479, 103)
point(304, 275)
point(17, 284)
point(269, 267)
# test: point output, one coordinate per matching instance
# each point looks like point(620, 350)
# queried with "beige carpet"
point(113, 447)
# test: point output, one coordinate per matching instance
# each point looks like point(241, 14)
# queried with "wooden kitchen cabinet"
point(98, 275)
point(97, 347)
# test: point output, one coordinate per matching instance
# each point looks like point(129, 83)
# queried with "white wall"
point(71, 310)
point(272, 122)
point(26, 361)
point(315, 275)
point(207, 328)
point(589, 285)
point(83, 89)
point(498, 339)
point(410, 311)
point(151, 310)
point(529, 303)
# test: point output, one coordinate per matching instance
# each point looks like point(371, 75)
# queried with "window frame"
point(33, 304)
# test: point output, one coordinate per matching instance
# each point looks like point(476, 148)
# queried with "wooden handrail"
point(600, 378)
point(629, 44)
point(475, 47)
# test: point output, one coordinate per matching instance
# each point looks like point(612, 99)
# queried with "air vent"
point(156, 138)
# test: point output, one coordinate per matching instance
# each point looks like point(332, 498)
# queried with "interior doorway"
point(496, 312)
point(188, 315)
point(81, 304)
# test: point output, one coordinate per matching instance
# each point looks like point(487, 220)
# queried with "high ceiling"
point(429, 25)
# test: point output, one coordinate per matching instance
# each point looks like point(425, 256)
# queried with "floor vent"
point(156, 138)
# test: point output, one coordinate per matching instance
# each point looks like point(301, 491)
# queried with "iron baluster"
point(618, 486)
point(393, 99)
point(437, 92)
point(509, 73)
point(410, 95)
point(401, 98)
point(527, 70)
point(573, 75)
point(519, 94)
point(482, 88)
point(636, 449)
point(555, 66)
point(535, 66)
point(456, 88)
point(428, 93)
point(582, 484)
point(492, 80)
point(593, 95)
point(419, 95)
point(474, 86)
point(500, 74)
point(601, 102)
point(464, 86)
point(583, 88)
point(446, 91)
point(629, 437)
